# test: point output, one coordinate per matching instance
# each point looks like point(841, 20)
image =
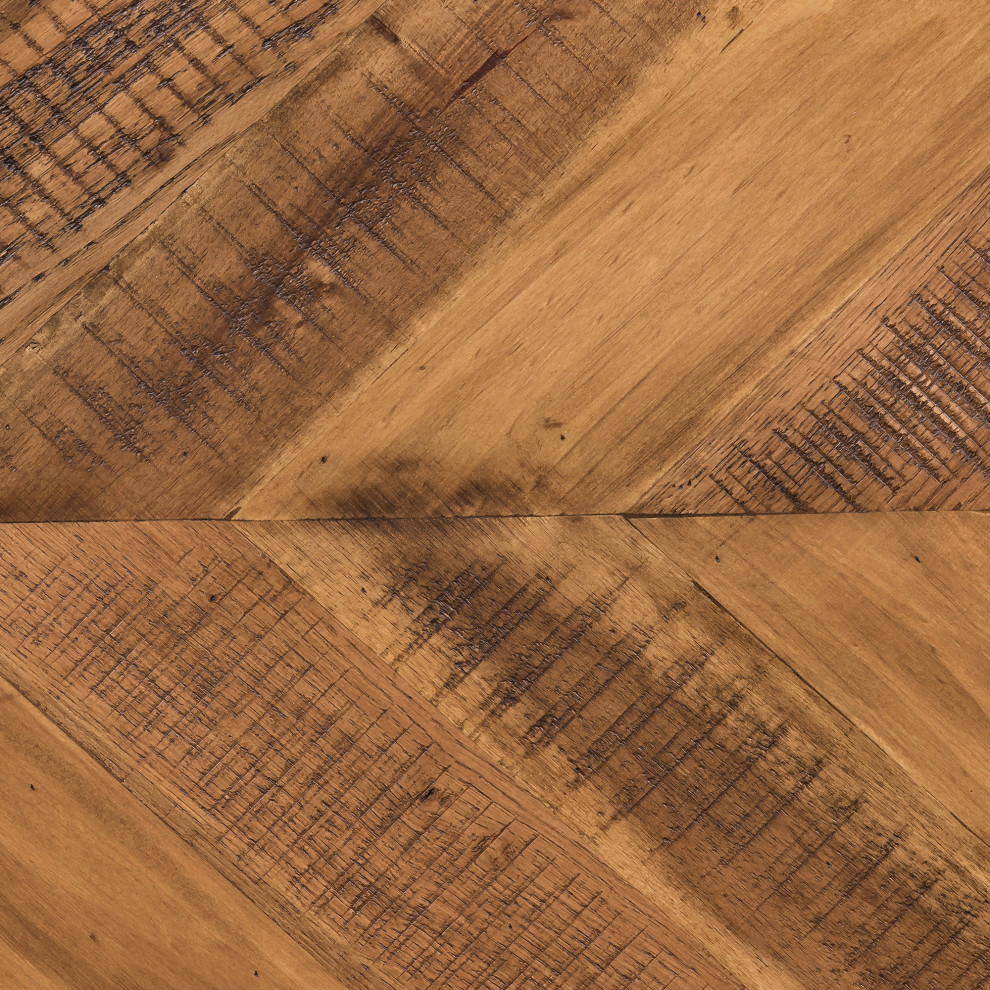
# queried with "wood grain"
point(500, 258)
point(111, 108)
point(900, 423)
point(496, 293)
point(885, 616)
point(288, 274)
point(269, 738)
point(97, 893)
point(474, 230)
point(623, 696)
point(595, 352)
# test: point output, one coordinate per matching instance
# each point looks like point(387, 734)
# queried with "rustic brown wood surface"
point(530, 752)
point(451, 454)
point(259, 728)
point(886, 616)
point(685, 749)
point(98, 893)
point(314, 260)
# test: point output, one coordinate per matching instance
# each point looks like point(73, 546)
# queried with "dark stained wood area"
point(627, 698)
point(309, 774)
point(535, 752)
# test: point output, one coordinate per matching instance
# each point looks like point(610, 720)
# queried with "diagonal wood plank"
point(262, 732)
point(565, 267)
point(95, 892)
point(397, 293)
point(289, 276)
point(884, 406)
point(111, 107)
point(885, 616)
point(582, 363)
point(621, 694)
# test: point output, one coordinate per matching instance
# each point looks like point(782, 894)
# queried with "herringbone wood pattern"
point(454, 469)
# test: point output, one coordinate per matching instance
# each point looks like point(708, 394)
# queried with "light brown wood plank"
point(268, 737)
point(592, 352)
point(21, 975)
point(112, 108)
point(95, 892)
point(884, 406)
point(290, 275)
point(617, 691)
point(518, 258)
point(886, 616)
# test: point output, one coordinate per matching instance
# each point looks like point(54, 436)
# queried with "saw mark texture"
point(197, 673)
point(92, 104)
point(907, 419)
point(902, 423)
point(285, 271)
point(623, 696)
point(556, 266)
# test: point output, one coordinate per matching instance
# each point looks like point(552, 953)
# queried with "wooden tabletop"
point(492, 495)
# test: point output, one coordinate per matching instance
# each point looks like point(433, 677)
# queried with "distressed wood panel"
point(110, 109)
point(97, 893)
point(585, 360)
point(505, 258)
point(620, 693)
point(885, 615)
point(885, 407)
point(269, 738)
point(289, 274)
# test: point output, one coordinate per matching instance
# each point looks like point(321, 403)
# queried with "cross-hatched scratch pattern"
point(641, 694)
point(905, 422)
point(269, 286)
point(217, 681)
point(117, 93)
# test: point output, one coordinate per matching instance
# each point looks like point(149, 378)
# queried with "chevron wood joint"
point(492, 495)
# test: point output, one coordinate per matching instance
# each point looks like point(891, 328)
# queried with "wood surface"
point(254, 724)
point(623, 695)
point(400, 739)
point(96, 892)
point(458, 258)
point(455, 462)
point(886, 616)
point(113, 107)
